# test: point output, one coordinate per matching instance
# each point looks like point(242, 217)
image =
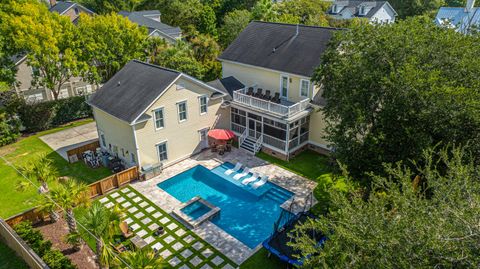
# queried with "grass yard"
point(178, 245)
point(14, 202)
point(9, 260)
point(261, 260)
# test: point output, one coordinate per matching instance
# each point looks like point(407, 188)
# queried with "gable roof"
point(353, 6)
point(280, 47)
point(144, 18)
point(63, 6)
point(227, 85)
point(133, 89)
point(458, 17)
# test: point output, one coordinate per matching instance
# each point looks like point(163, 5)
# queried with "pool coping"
point(194, 223)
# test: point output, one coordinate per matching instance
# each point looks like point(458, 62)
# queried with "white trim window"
point(63, 93)
point(102, 140)
point(304, 87)
point(203, 104)
point(162, 151)
point(284, 86)
point(158, 118)
point(182, 111)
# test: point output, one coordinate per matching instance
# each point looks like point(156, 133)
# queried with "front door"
point(254, 128)
point(203, 138)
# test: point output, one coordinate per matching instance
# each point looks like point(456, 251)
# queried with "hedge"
point(45, 115)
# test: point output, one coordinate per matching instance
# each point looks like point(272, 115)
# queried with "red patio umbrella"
point(221, 134)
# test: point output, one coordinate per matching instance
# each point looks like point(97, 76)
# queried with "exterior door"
point(284, 87)
point(254, 128)
point(203, 138)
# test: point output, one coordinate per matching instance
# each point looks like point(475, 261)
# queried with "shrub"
point(56, 260)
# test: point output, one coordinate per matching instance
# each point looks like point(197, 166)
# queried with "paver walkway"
point(180, 247)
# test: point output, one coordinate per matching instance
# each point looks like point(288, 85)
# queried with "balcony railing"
point(241, 97)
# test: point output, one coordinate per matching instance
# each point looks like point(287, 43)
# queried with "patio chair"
point(267, 95)
point(242, 174)
point(276, 98)
point(259, 93)
point(260, 183)
point(234, 169)
point(126, 231)
point(119, 248)
point(250, 91)
point(250, 179)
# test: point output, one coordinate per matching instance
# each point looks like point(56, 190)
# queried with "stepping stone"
point(109, 205)
point(172, 226)
point(180, 232)
point(217, 260)
point(135, 227)
point(177, 246)
point(174, 262)
point(169, 239)
point(139, 215)
point(164, 220)
point(157, 215)
point(228, 266)
point(186, 253)
point(125, 190)
point(157, 246)
point(184, 267)
point(153, 227)
point(207, 252)
point(126, 204)
point(143, 204)
point(166, 253)
point(142, 233)
point(206, 266)
point(104, 200)
point(115, 195)
point(121, 199)
point(189, 238)
point(149, 239)
point(197, 245)
point(131, 194)
point(150, 209)
point(132, 209)
point(146, 220)
point(137, 199)
point(195, 261)
point(129, 220)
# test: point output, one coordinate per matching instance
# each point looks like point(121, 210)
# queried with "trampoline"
point(276, 244)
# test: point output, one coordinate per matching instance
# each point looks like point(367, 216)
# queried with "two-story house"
point(151, 19)
point(374, 11)
point(278, 109)
point(25, 73)
point(147, 114)
point(462, 19)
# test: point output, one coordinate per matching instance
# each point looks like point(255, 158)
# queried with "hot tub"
point(196, 211)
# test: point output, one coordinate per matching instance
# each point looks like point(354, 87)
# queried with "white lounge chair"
point(242, 174)
point(250, 179)
point(260, 183)
point(235, 169)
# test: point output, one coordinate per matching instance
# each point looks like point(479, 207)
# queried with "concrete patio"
point(218, 238)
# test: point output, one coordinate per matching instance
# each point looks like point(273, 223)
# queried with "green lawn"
point(9, 260)
point(261, 260)
point(13, 202)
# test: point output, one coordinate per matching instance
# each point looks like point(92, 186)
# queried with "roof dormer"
point(362, 11)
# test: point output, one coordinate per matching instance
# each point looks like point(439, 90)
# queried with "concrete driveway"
point(67, 139)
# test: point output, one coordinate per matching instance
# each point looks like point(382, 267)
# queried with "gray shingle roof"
point(141, 18)
point(354, 7)
point(63, 6)
point(227, 85)
point(132, 89)
point(277, 46)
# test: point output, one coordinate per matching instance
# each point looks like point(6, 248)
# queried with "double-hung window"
point(203, 104)
point(182, 111)
point(162, 151)
point(159, 118)
point(304, 87)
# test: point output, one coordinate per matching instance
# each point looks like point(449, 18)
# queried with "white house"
point(462, 19)
point(374, 11)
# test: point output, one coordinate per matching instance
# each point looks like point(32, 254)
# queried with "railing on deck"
point(240, 96)
point(258, 144)
point(274, 142)
point(242, 137)
point(238, 128)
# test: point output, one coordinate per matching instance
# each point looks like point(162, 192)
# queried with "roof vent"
point(118, 83)
point(274, 49)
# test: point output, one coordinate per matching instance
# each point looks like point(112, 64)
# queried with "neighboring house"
point(462, 19)
point(147, 114)
point(151, 19)
point(25, 73)
point(374, 11)
point(280, 58)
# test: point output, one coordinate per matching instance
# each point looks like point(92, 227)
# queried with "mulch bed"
point(55, 232)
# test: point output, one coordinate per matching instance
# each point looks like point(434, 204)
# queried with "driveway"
point(67, 139)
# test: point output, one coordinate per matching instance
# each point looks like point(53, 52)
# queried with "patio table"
point(138, 242)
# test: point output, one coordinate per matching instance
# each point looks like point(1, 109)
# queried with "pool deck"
point(218, 238)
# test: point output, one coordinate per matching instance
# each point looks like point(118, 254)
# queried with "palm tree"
point(68, 195)
point(100, 222)
point(143, 259)
point(40, 169)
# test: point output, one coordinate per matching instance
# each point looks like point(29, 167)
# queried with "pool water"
point(195, 210)
point(245, 213)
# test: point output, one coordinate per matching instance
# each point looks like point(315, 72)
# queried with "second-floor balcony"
point(281, 108)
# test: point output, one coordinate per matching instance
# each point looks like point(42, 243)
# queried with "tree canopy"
point(393, 91)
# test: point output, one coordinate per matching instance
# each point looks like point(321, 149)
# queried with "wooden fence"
point(78, 151)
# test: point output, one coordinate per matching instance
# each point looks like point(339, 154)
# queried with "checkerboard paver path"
point(179, 246)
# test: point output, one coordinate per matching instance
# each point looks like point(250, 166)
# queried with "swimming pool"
point(195, 210)
point(245, 213)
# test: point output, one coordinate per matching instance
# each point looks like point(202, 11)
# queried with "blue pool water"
point(245, 213)
point(195, 210)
